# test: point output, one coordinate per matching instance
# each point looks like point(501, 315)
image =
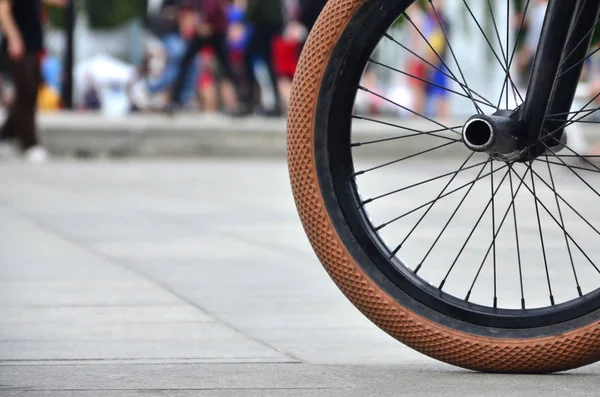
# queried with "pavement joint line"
point(37, 389)
point(123, 265)
point(67, 306)
point(145, 361)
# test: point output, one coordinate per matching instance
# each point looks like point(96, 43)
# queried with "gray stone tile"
point(123, 226)
point(83, 293)
point(194, 332)
point(93, 316)
point(31, 253)
point(202, 248)
point(225, 376)
point(210, 348)
point(289, 380)
point(348, 346)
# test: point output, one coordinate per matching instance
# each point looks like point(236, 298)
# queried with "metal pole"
point(67, 94)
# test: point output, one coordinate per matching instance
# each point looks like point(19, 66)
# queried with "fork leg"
point(577, 48)
point(546, 65)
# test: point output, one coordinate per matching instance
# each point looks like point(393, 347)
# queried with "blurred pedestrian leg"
point(175, 47)
point(22, 27)
point(266, 17)
point(210, 30)
point(21, 117)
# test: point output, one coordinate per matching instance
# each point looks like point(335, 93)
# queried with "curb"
point(216, 135)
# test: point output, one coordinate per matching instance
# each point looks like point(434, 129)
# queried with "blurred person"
point(210, 29)
point(436, 28)
point(592, 93)
point(238, 35)
point(428, 83)
point(168, 28)
point(91, 97)
point(266, 17)
point(286, 50)
point(20, 21)
point(300, 17)
point(207, 85)
point(415, 67)
point(285, 61)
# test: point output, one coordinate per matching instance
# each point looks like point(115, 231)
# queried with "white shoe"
point(36, 155)
point(8, 151)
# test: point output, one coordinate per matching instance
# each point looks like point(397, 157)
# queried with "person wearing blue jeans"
point(176, 46)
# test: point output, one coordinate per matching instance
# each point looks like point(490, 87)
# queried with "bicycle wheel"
point(485, 262)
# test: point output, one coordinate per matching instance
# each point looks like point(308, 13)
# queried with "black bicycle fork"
point(564, 43)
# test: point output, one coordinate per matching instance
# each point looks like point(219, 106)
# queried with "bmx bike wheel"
point(553, 338)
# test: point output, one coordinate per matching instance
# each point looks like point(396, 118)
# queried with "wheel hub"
point(503, 137)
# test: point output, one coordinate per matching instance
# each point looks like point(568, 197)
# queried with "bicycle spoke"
point(558, 196)
point(591, 31)
point(565, 165)
point(507, 71)
point(576, 112)
point(539, 222)
point(576, 155)
point(495, 234)
point(460, 169)
point(514, 210)
point(453, 173)
point(557, 223)
point(404, 158)
point(578, 63)
point(395, 138)
point(494, 237)
point(507, 46)
point(428, 82)
point(450, 76)
point(504, 55)
point(449, 221)
point(465, 85)
point(581, 156)
point(575, 24)
point(378, 228)
point(474, 229)
point(407, 109)
point(514, 52)
point(452, 52)
point(494, 192)
point(562, 222)
point(575, 173)
point(572, 120)
point(580, 121)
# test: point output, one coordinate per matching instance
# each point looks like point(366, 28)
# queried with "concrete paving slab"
point(209, 348)
point(94, 316)
point(285, 380)
point(78, 293)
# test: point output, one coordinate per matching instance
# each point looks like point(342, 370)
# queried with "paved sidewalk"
point(192, 278)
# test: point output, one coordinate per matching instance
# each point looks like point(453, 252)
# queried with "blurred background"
point(122, 57)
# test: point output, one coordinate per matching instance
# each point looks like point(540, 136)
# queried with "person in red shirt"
point(210, 30)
